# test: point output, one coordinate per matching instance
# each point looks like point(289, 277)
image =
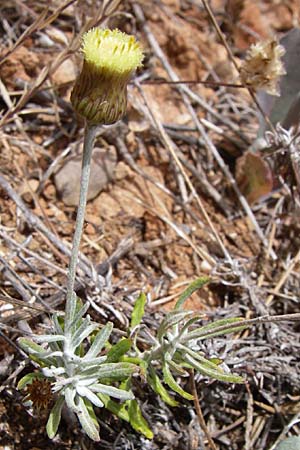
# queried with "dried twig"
point(199, 412)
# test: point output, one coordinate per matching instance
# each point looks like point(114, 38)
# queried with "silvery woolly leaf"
point(51, 354)
point(54, 417)
point(69, 394)
point(53, 372)
point(114, 371)
point(99, 341)
point(78, 317)
point(112, 391)
point(57, 327)
point(82, 333)
point(85, 418)
point(91, 363)
point(84, 391)
point(48, 338)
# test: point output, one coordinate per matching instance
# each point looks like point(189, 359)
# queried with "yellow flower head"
point(110, 58)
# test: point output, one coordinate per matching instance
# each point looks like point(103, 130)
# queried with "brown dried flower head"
point(39, 392)
point(263, 67)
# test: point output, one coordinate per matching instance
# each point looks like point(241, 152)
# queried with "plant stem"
point(198, 409)
point(89, 137)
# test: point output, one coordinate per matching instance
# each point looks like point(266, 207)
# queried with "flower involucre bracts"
point(110, 58)
point(263, 67)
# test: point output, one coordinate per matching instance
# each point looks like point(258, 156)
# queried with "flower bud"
point(100, 91)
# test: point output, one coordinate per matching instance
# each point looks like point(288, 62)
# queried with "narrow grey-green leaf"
point(99, 341)
point(54, 417)
point(48, 338)
point(69, 394)
point(157, 386)
point(206, 370)
point(171, 319)
point(119, 409)
point(27, 379)
point(115, 371)
point(171, 382)
point(194, 286)
point(138, 310)
point(82, 333)
point(112, 391)
point(30, 346)
point(85, 391)
point(217, 328)
point(86, 420)
point(118, 350)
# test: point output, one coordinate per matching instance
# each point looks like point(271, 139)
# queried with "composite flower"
point(263, 67)
point(110, 59)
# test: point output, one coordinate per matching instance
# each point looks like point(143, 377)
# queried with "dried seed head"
point(39, 392)
point(110, 58)
point(263, 67)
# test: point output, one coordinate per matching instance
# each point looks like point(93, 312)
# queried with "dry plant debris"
point(169, 212)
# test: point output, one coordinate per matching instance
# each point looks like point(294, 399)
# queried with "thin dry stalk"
point(198, 409)
point(230, 54)
point(284, 277)
point(171, 147)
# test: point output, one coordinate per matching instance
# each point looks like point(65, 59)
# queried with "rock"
point(67, 179)
point(65, 73)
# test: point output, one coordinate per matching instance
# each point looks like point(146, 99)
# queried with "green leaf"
point(28, 379)
point(29, 346)
point(86, 416)
point(216, 373)
point(35, 352)
point(137, 420)
point(158, 387)
point(171, 382)
point(176, 367)
point(111, 371)
point(119, 409)
point(118, 350)
point(216, 328)
point(138, 310)
point(194, 286)
point(54, 417)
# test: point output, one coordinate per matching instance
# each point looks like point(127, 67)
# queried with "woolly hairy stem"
point(89, 137)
